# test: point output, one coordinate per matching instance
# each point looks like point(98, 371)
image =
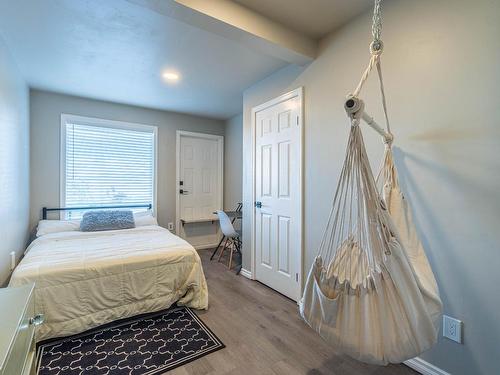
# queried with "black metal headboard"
point(45, 210)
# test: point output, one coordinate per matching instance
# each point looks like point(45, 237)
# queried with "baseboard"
point(204, 247)
point(424, 367)
point(246, 273)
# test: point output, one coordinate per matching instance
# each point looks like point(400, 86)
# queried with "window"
point(106, 163)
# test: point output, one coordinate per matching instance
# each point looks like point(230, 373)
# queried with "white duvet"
point(85, 279)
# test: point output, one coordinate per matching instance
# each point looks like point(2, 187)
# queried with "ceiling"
point(116, 50)
point(313, 18)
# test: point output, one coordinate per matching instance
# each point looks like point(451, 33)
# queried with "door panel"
point(277, 187)
point(284, 170)
point(284, 120)
point(266, 170)
point(284, 245)
point(206, 175)
point(266, 244)
point(200, 173)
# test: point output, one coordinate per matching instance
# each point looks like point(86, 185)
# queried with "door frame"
point(297, 93)
point(220, 141)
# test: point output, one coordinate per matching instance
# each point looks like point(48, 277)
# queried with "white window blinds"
point(107, 165)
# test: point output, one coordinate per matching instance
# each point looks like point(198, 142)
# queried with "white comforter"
point(85, 279)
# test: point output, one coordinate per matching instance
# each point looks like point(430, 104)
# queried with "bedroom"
point(157, 71)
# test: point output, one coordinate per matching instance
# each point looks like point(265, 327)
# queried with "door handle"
point(258, 204)
point(183, 192)
point(37, 320)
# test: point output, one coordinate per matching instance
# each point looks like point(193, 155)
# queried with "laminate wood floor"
point(264, 334)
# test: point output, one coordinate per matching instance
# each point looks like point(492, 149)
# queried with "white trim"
point(299, 93)
point(246, 273)
point(99, 122)
point(424, 367)
point(204, 247)
point(220, 141)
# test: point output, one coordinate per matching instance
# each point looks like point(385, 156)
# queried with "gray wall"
point(14, 161)
point(233, 161)
point(46, 109)
point(441, 69)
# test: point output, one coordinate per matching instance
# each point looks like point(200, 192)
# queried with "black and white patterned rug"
point(145, 345)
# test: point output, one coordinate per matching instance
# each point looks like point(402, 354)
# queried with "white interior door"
point(199, 186)
point(278, 199)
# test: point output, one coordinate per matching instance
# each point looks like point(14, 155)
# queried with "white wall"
point(14, 161)
point(233, 161)
point(46, 109)
point(441, 69)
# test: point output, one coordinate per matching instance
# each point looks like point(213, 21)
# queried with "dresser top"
point(13, 304)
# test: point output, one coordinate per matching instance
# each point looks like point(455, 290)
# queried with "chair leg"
point(217, 248)
point(231, 250)
point(222, 250)
point(238, 250)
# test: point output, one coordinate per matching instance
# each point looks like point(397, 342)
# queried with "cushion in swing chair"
point(386, 317)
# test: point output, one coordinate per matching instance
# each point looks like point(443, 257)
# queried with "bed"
point(86, 279)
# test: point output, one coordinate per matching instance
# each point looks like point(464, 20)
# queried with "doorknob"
point(37, 319)
point(183, 192)
point(258, 204)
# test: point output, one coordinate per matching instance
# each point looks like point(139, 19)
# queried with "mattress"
point(85, 279)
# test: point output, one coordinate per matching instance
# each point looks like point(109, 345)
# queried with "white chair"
point(233, 237)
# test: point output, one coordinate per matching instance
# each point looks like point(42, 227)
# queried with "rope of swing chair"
point(356, 179)
point(377, 21)
point(376, 48)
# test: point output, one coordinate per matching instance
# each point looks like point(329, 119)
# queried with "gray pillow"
point(93, 221)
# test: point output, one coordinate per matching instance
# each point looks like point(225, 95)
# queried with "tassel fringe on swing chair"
point(371, 292)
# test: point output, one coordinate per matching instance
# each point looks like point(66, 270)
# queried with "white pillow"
point(56, 226)
point(144, 218)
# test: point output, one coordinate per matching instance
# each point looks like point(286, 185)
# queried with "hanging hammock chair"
point(371, 292)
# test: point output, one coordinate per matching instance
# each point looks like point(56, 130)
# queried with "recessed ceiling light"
point(171, 76)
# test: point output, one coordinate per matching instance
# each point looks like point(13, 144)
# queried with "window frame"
point(103, 123)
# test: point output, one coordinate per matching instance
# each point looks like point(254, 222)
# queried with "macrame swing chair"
point(371, 292)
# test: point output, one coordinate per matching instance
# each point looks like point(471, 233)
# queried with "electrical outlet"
point(170, 226)
point(452, 328)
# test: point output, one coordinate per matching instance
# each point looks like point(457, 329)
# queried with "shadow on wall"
point(441, 240)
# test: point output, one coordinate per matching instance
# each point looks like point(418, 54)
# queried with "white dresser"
point(17, 330)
